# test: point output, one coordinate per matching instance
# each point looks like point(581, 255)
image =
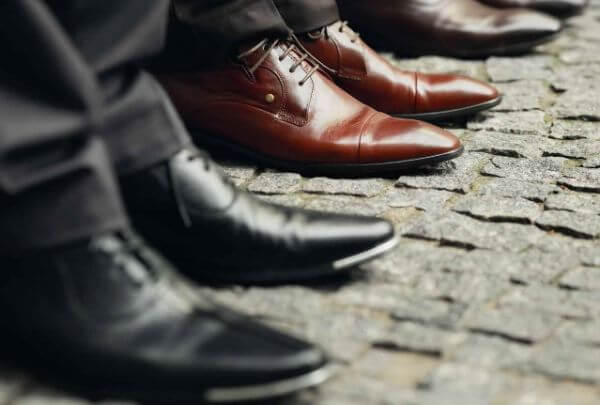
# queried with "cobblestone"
point(568, 361)
point(571, 223)
point(275, 183)
point(543, 170)
point(515, 323)
point(523, 95)
point(520, 122)
point(575, 129)
point(456, 175)
point(460, 230)
point(511, 145)
point(499, 209)
point(517, 189)
point(574, 202)
point(582, 278)
point(528, 67)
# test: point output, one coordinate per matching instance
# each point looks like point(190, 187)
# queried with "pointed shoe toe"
point(443, 96)
point(524, 29)
point(390, 139)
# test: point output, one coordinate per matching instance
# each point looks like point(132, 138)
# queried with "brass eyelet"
point(270, 98)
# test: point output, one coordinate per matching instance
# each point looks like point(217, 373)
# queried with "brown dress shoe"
point(558, 8)
point(459, 28)
point(275, 106)
point(366, 75)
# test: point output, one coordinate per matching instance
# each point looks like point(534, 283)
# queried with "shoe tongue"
point(199, 186)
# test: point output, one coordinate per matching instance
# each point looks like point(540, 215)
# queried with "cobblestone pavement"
point(493, 295)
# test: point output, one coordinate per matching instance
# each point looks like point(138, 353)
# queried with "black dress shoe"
point(558, 8)
point(113, 320)
point(189, 211)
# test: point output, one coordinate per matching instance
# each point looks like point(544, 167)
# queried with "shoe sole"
point(325, 169)
point(254, 393)
point(268, 391)
point(455, 113)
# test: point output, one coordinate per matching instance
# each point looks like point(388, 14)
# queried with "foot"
point(275, 106)
point(458, 28)
point(369, 77)
point(189, 211)
point(113, 320)
point(558, 8)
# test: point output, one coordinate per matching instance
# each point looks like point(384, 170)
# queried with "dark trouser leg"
point(308, 15)
point(140, 126)
point(203, 31)
point(70, 73)
point(224, 23)
point(56, 181)
point(219, 25)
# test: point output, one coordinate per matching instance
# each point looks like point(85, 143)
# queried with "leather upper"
point(369, 77)
point(281, 114)
point(117, 316)
point(447, 27)
point(559, 8)
point(199, 217)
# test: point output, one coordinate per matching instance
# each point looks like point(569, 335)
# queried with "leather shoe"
point(114, 321)
point(213, 232)
point(275, 106)
point(458, 28)
point(373, 80)
point(558, 8)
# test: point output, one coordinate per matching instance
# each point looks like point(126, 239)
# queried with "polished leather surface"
point(370, 78)
point(307, 121)
point(113, 315)
point(192, 214)
point(559, 8)
point(463, 28)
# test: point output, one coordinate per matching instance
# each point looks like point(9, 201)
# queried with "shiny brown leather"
point(559, 8)
point(373, 80)
point(462, 28)
point(271, 113)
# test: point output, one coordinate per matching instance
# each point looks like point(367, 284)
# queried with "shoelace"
point(131, 254)
point(292, 44)
point(140, 264)
point(324, 32)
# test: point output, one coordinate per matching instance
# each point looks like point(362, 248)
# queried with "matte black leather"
point(192, 214)
point(113, 314)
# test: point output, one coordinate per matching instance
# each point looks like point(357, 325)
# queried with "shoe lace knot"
point(290, 45)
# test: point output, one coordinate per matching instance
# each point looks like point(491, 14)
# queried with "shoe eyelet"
point(270, 98)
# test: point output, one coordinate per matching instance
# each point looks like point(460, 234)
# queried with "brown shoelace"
point(292, 44)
